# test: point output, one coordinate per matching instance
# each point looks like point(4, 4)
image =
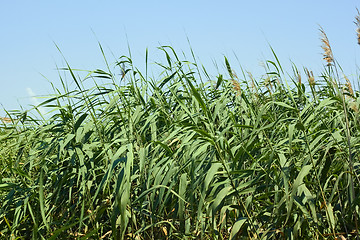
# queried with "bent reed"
point(186, 156)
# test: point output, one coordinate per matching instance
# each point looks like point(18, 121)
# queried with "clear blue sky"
point(29, 30)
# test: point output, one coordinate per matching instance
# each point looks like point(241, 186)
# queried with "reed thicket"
point(184, 155)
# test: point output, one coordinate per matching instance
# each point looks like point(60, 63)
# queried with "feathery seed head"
point(267, 83)
point(5, 120)
point(311, 78)
point(235, 83)
point(349, 86)
point(252, 80)
point(328, 55)
point(353, 106)
point(236, 87)
point(234, 74)
point(357, 23)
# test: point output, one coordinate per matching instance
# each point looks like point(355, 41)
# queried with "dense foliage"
point(185, 156)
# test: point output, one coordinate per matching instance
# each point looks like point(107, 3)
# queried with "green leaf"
point(210, 174)
point(300, 177)
point(237, 226)
point(167, 79)
point(198, 97)
point(284, 105)
point(330, 215)
point(219, 198)
point(219, 81)
point(79, 121)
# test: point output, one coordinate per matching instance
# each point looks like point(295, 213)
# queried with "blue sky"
point(29, 30)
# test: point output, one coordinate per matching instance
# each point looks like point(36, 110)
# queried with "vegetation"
point(184, 156)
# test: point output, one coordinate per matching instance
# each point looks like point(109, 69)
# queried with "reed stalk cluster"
point(177, 157)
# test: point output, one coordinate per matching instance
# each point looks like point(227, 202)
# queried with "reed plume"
point(236, 87)
point(357, 23)
point(5, 120)
point(236, 84)
point(328, 55)
point(267, 83)
point(349, 86)
point(253, 84)
point(311, 78)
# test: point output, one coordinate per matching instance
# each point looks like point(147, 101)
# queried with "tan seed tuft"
point(353, 106)
point(253, 85)
point(349, 86)
point(235, 83)
point(311, 78)
point(236, 86)
point(357, 23)
point(328, 55)
point(5, 120)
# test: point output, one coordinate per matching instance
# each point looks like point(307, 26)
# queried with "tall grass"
point(186, 156)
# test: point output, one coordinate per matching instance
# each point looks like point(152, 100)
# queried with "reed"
point(328, 54)
point(177, 157)
point(357, 22)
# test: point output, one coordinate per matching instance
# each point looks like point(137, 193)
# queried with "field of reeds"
point(184, 155)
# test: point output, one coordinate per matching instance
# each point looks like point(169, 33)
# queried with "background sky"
point(29, 31)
